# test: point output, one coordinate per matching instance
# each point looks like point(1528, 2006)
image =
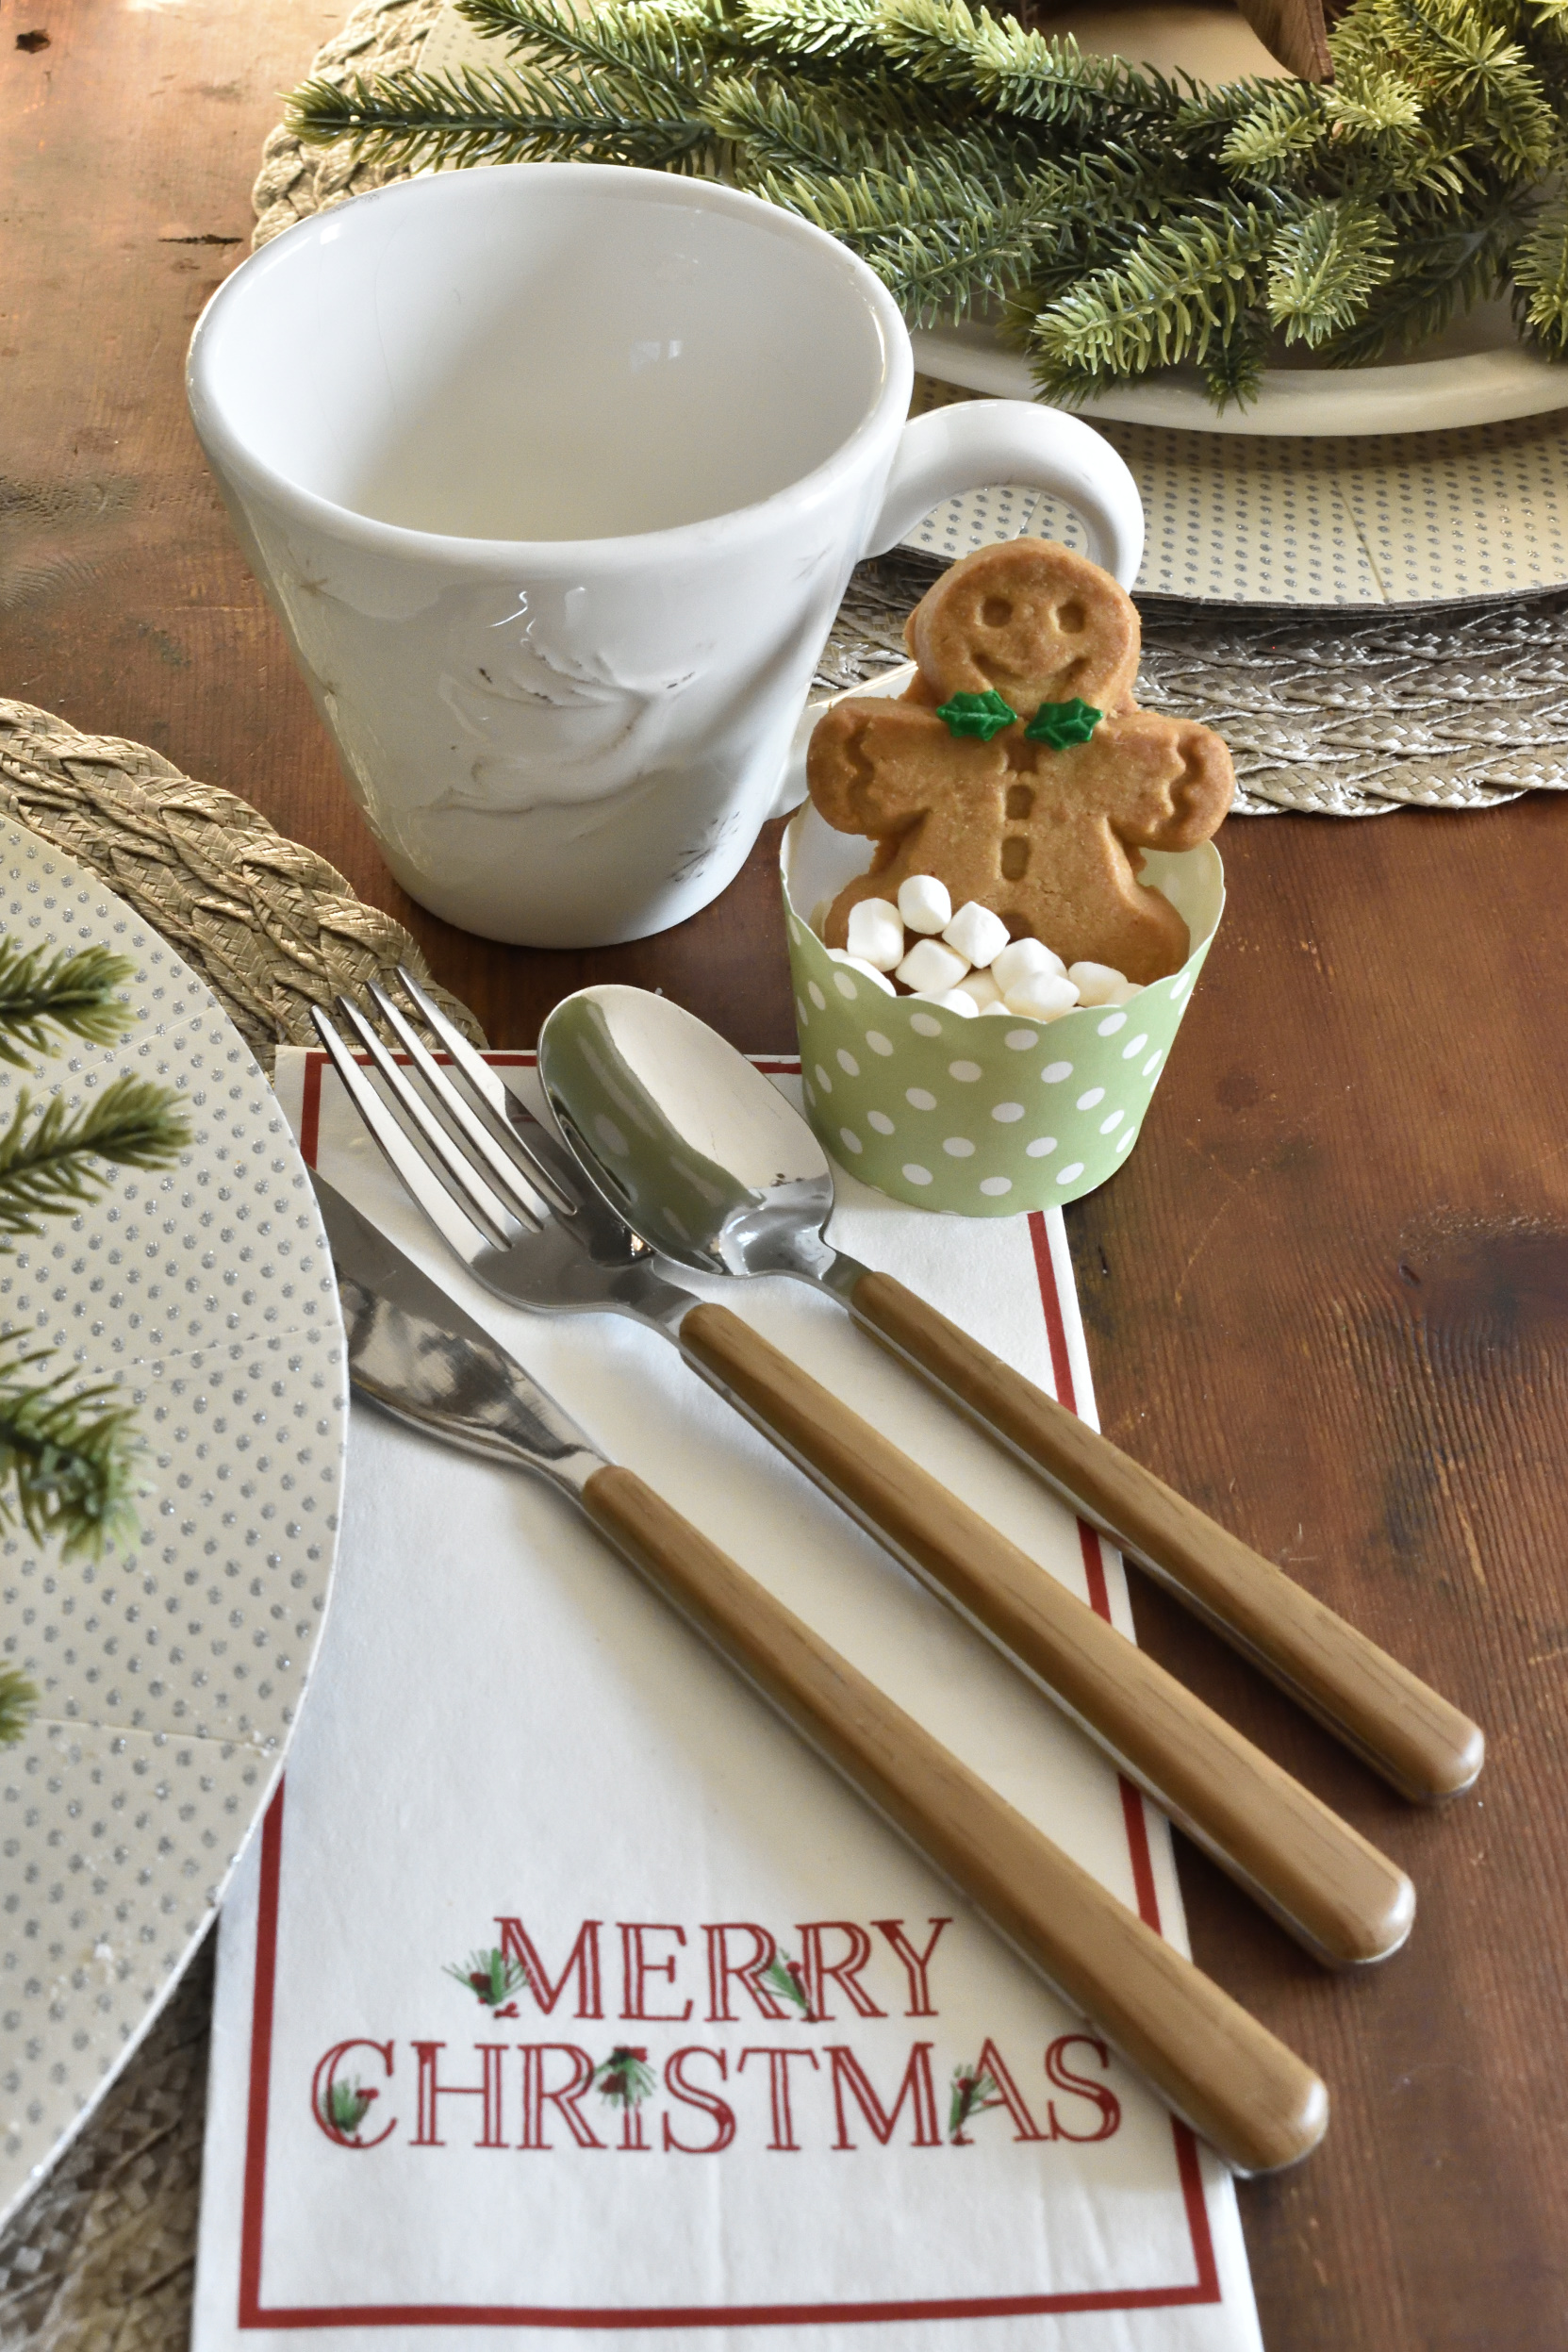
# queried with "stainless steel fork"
point(510, 1202)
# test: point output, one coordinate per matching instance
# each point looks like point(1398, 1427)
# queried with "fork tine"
point(506, 1160)
point(458, 1173)
point(503, 1171)
point(457, 1227)
point(555, 1187)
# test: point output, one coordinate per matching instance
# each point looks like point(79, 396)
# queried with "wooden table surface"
point(1328, 1296)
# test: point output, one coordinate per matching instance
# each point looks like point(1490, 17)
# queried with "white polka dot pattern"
point(951, 1114)
point(170, 1671)
point(1386, 519)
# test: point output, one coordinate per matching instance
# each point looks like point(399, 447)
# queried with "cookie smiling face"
point(1018, 770)
point(1032, 622)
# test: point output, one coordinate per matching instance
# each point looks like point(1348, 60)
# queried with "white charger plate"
point(171, 1671)
point(1477, 373)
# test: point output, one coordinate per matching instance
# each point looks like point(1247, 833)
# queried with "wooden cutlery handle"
point(1341, 1897)
point(1244, 2091)
point(1403, 1729)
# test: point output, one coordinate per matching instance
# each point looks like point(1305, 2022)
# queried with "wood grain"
point(1420, 1743)
point(1344, 1900)
point(1328, 1295)
point(1238, 2086)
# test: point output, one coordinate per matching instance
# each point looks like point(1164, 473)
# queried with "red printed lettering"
point(692, 2093)
point(536, 2095)
point(816, 1969)
point(917, 2087)
point(635, 1966)
point(992, 2062)
point(1099, 2094)
point(583, 1961)
point(915, 1964)
point(723, 1971)
point(487, 2090)
point(340, 2108)
point(778, 2091)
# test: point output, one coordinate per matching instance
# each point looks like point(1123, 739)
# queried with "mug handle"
point(972, 446)
point(978, 443)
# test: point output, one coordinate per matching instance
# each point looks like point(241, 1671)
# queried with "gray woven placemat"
point(1457, 707)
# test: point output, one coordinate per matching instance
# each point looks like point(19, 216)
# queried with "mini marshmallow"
point(929, 969)
point(1000, 1006)
point(976, 932)
point(924, 904)
point(983, 988)
point(958, 1000)
point(866, 971)
point(1044, 996)
point(1021, 956)
point(877, 932)
point(1097, 983)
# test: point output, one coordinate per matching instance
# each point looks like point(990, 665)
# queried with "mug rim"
point(371, 535)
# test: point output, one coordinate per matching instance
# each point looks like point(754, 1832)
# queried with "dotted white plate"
point(172, 1670)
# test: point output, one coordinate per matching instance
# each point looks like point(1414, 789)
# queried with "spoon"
point(704, 1159)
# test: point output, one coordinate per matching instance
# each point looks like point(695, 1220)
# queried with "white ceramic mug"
point(556, 475)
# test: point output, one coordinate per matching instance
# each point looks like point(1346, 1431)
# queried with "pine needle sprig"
point(1444, 267)
point(1126, 221)
point(1180, 290)
point(68, 1458)
point(923, 232)
point(1325, 266)
point(484, 115)
point(18, 1699)
point(778, 128)
point(71, 992)
point(813, 28)
point(1541, 281)
point(44, 1169)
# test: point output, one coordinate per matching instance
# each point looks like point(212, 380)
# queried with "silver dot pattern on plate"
point(171, 1670)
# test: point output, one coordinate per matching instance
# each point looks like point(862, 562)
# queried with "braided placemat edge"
point(269, 925)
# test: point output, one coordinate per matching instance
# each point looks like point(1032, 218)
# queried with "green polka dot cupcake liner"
point(988, 1117)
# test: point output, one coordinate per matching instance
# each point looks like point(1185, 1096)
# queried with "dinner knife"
point(415, 1353)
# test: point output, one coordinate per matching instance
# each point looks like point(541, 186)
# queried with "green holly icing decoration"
point(1057, 725)
point(984, 714)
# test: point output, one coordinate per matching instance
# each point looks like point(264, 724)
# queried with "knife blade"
point(414, 1351)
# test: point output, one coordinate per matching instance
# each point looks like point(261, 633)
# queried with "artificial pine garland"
point(66, 1456)
point(1127, 222)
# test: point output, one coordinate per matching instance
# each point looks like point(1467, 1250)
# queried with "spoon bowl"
point(686, 1138)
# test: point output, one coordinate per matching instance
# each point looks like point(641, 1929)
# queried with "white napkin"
point(513, 1747)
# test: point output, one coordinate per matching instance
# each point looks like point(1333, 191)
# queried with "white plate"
point(1477, 373)
point(170, 1672)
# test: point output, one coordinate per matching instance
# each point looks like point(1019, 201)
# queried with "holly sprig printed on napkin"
point(974, 2089)
point(67, 1454)
point(494, 1977)
point(785, 1979)
point(1129, 223)
point(625, 2078)
point(343, 2107)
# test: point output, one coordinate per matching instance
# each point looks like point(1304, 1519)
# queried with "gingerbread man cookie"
point(1017, 767)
